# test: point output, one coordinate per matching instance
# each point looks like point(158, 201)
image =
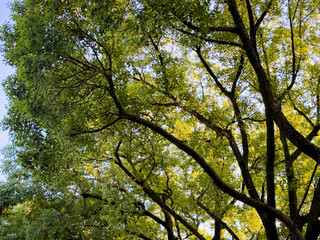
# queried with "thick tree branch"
point(258, 204)
point(271, 228)
point(307, 190)
point(309, 137)
point(270, 161)
point(236, 79)
point(275, 111)
point(251, 21)
point(313, 227)
point(241, 158)
point(292, 192)
point(155, 196)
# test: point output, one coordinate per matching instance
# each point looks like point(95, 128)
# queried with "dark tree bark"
point(217, 231)
point(313, 227)
point(270, 225)
point(264, 86)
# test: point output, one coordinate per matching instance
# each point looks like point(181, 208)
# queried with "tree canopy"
point(158, 119)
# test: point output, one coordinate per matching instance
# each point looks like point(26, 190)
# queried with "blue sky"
point(4, 72)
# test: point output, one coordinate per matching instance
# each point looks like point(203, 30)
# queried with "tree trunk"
point(270, 221)
point(313, 227)
point(217, 231)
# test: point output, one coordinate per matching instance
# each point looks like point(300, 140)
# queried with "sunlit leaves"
point(108, 95)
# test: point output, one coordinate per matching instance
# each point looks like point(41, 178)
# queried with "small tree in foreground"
point(143, 119)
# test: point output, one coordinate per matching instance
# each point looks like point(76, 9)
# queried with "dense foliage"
point(158, 119)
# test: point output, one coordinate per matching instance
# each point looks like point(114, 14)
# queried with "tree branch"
point(258, 204)
point(155, 196)
point(275, 111)
point(222, 223)
point(262, 16)
point(96, 130)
